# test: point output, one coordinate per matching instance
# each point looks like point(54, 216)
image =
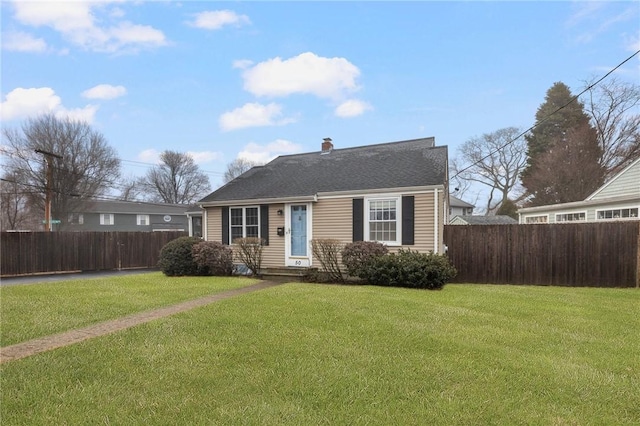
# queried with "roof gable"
point(627, 182)
point(384, 166)
point(483, 220)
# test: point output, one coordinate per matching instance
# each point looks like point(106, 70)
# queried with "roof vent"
point(327, 145)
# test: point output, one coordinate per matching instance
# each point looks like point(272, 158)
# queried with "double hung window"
point(382, 222)
point(244, 222)
point(106, 219)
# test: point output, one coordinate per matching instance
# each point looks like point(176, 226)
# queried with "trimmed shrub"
point(215, 256)
point(249, 252)
point(411, 269)
point(176, 258)
point(327, 251)
point(357, 256)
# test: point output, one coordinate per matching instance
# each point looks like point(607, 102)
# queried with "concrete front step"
point(284, 272)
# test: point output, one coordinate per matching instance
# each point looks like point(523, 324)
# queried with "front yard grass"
point(36, 310)
point(319, 354)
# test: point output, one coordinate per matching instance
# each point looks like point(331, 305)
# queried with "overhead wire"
point(546, 118)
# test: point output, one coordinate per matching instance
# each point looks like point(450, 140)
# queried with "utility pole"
point(49, 156)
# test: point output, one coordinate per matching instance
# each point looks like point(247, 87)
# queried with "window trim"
point(147, 220)
point(244, 221)
point(111, 219)
point(536, 216)
point(79, 216)
point(584, 212)
point(605, 219)
point(398, 219)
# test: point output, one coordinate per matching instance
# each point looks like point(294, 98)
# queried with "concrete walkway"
point(47, 343)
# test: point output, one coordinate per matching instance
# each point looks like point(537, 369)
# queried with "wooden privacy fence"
point(25, 253)
point(585, 254)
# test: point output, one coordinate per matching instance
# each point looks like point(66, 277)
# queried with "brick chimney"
point(327, 145)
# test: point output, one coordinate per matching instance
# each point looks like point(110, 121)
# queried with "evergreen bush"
point(410, 269)
point(357, 256)
point(176, 258)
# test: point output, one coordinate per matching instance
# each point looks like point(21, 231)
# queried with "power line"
point(573, 99)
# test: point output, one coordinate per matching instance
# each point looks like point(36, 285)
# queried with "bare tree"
point(177, 180)
point(238, 167)
point(13, 198)
point(131, 188)
point(84, 165)
point(494, 160)
point(614, 108)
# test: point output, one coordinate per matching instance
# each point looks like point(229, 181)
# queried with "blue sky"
point(261, 79)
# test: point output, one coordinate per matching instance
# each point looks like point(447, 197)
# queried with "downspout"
point(435, 221)
point(205, 225)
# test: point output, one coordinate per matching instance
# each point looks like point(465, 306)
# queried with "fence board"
point(585, 254)
point(24, 253)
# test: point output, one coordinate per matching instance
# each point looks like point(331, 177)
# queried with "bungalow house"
point(458, 207)
point(395, 193)
point(617, 199)
point(127, 216)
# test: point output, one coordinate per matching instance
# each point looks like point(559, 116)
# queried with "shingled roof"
point(410, 163)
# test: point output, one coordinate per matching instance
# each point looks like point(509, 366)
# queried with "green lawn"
point(304, 354)
point(36, 310)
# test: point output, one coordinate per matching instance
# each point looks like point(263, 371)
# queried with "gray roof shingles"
point(489, 220)
point(401, 164)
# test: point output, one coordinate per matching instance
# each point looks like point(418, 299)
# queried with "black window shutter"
point(358, 219)
point(225, 225)
point(408, 222)
point(264, 223)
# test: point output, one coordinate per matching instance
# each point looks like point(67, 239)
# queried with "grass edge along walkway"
point(47, 343)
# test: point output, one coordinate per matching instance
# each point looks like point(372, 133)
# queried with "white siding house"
point(618, 199)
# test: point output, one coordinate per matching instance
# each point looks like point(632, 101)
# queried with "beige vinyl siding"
point(214, 224)
point(424, 216)
point(332, 219)
point(273, 254)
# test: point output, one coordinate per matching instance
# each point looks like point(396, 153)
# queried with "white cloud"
point(199, 157)
point(23, 103)
point(149, 156)
point(104, 91)
point(242, 63)
point(76, 22)
point(352, 108)
point(306, 73)
point(253, 115)
point(22, 42)
point(216, 19)
point(264, 153)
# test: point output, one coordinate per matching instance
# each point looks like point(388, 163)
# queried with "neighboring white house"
point(618, 199)
point(457, 207)
point(483, 220)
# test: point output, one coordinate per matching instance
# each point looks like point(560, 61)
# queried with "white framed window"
point(543, 218)
point(616, 214)
point(382, 220)
point(106, 219)
point(571, 217)
point(244, 222)
point(142, 219)
point(76, 219)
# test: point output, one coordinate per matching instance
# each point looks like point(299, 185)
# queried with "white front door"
point(298, 235)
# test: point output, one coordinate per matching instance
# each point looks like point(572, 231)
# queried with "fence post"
point(638, 259)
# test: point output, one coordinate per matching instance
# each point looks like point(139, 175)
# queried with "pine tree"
point(563, 151)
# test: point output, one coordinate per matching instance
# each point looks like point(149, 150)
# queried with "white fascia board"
point(380, 191)
point(257, 201)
